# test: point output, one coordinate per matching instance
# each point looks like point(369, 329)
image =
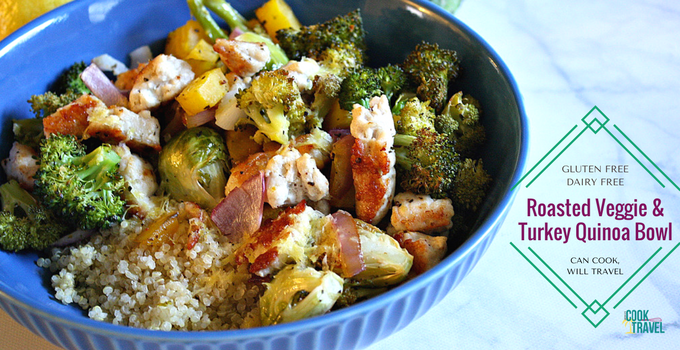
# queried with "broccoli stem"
point(274, 124)
point(28, 131)
point(402, 142)
point(96, 164)
point(14, 196)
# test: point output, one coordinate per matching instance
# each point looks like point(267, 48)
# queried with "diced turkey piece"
point(72, 118)
point(373, 159)
point(242, 57)
point(313, 181)
point(303, 72)
point(291, 177)
point(427, 250)
point(159, 81)
point(141, 181)
point(141, 132)
point(422, 213)
point(21, 165)
point(126, 80)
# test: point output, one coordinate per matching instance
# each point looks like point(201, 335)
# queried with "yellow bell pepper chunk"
point(183, 39)
point(203, 92)
point(275, 15)
point(202, 57)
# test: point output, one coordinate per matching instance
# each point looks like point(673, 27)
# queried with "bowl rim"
point(495, 217)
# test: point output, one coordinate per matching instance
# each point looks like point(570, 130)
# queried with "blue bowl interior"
point(31, 59)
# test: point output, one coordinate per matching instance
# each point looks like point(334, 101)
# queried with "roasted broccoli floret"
point(469, 191)
point(326, 90)
point(334, 65)
point(199, 9)
point(400, 102)
point(24, 224)
point(29, 132)
point(311, 41)
point(430, 69)
point(340, 58)
point(359, 87)
point(460, 120)
point(70, 80)
point(274, 105)
point(427, 163)
point(84, 188)
point(392, 79)
point(364, 83)
point(68, 87)
point(414, 116)
point(48, 103)
point(470, 185)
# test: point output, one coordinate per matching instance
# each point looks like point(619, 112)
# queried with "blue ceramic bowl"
point(31, 58)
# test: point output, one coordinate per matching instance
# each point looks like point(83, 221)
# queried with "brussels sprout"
point(386, 262)
point(353, 295)
point(299, 292)
point(193, 167)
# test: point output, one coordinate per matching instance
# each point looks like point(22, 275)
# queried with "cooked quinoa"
point(168, 287)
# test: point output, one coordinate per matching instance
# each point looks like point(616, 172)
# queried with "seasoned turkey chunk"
point(427, 251)
point(242, 57)
point(291, 177)
point(159, 81)
point(419, 212)
point(126, 80)
point(141, 132)
point(72, 118)
point(21, 165)
point(373, 159)
point(139, 176)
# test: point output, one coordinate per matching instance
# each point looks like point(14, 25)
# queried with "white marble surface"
point(566, 57)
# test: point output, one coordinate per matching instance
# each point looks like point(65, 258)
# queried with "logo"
point(638, 322)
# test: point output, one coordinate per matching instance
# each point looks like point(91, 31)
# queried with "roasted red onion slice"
point(235, 33)
point(351, 257)
point(240, 212)
point(337, 134)
point(73, 237)
point(102, 87)
point(199, 118)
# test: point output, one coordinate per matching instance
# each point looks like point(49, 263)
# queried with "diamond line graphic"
point(591, 121)
point(595, 121)
point(592, 310)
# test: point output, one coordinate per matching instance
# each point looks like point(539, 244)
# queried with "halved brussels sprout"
point(386, 262)
point(193, 167)
point(298, 292)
